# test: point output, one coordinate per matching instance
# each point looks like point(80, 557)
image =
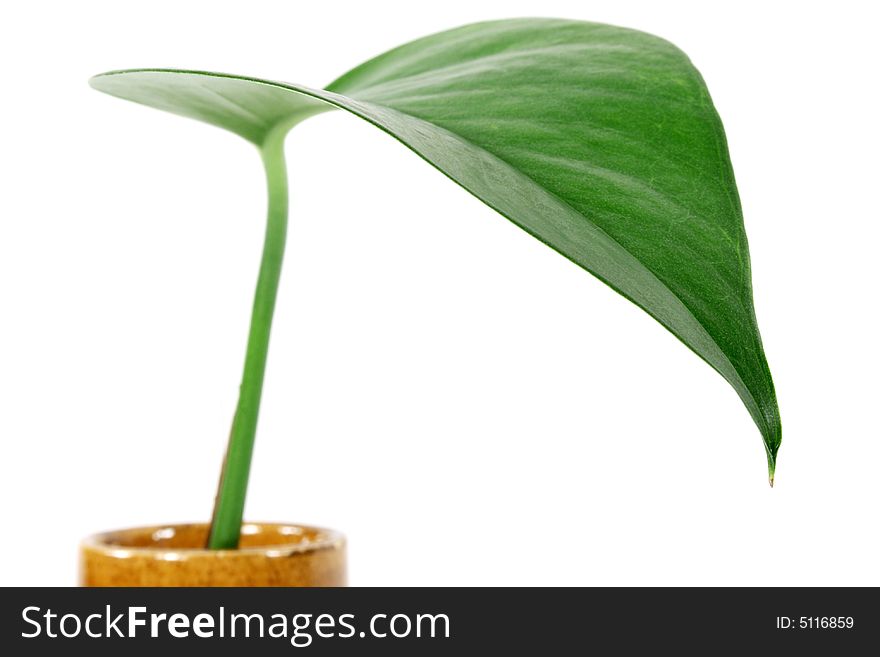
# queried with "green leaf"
point(599, 141)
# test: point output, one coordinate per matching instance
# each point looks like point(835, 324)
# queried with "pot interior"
point(195, 536)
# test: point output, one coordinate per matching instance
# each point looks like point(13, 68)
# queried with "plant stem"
point(229, 505)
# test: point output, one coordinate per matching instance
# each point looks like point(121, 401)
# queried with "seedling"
point(599, 141)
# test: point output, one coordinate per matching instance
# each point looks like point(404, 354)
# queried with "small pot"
point(174, 555)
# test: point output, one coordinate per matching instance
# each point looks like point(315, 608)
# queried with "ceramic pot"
point(174, 555)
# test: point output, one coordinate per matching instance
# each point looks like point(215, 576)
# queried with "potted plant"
point(601, 142)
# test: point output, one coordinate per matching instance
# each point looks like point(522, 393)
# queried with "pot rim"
point(107, 542)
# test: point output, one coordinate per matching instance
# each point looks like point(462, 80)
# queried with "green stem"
point(229, 505)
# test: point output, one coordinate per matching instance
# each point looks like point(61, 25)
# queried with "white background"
point(467, 412)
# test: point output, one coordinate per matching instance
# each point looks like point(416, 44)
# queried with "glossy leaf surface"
point(599, 141)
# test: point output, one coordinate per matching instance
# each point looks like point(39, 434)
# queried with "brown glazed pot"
point(174, 555)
